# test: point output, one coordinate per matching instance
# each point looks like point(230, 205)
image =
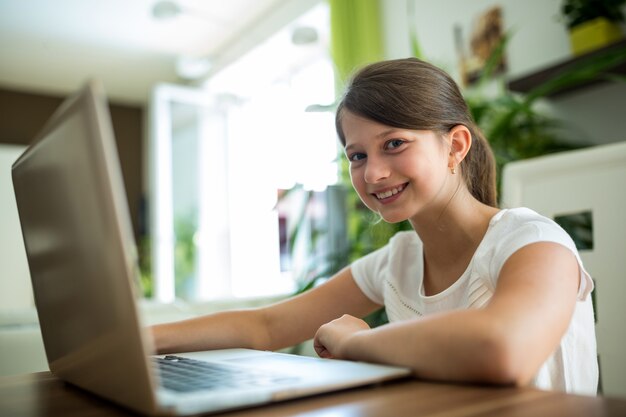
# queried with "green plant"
point(512, 123)
point(365, 233)
point(185, 253)
point(575, 12)
point(144, 250)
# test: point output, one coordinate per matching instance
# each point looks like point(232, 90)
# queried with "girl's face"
point(397, 173)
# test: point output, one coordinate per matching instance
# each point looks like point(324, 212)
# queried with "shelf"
point(528, 82)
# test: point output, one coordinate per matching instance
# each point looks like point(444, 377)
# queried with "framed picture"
point(485, 35)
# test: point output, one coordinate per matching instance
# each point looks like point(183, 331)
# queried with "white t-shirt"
point(393, 276)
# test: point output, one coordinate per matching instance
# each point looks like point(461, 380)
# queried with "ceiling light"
point(192, 68)
point(304, 35)
point(165, 9)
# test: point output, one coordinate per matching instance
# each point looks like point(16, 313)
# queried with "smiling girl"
point(473, 294)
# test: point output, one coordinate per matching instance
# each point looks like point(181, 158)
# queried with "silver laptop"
point(83, 264)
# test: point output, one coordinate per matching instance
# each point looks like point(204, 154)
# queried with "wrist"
point(158, 335)
point(354, 347)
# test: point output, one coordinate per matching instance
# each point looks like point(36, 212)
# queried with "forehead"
point(357, 128)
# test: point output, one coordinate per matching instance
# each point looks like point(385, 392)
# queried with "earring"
point(453, 170)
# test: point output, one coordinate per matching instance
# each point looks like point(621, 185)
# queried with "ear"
point(460, 140)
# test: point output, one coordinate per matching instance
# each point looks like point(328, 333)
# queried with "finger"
point(319, 346)
point(322, 352)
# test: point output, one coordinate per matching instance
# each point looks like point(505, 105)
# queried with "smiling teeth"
point(389, 193)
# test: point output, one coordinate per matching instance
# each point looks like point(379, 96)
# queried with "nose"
point(376, 170)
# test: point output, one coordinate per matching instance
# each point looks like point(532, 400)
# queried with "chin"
point(392, 219)
point(386, 215)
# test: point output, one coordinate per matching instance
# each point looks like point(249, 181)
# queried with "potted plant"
point(593, 24)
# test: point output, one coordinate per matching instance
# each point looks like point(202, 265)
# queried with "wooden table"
point(42, 394)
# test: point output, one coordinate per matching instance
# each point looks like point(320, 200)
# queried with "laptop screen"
point(81, 255)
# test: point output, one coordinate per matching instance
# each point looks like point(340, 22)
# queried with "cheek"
point(358, 183)
point(426, 176)
point(418, 171)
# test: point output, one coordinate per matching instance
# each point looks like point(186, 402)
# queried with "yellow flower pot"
point(594, 34)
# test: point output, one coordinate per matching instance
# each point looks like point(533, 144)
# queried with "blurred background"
point(223, 117)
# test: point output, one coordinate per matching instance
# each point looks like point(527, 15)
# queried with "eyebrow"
point(378, 136)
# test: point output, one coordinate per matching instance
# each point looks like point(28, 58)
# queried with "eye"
point(394, 144)
point(357, 156)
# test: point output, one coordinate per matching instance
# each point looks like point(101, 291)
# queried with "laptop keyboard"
point(187, 375)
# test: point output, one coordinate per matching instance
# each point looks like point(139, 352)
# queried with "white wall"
point(539, 40)
point(15, 287)
point(595, 114)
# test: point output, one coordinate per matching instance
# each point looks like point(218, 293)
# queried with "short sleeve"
point(393, 263)
point(368, 273)
point(539, 230)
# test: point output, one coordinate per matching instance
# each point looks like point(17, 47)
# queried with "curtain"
point(356, 36)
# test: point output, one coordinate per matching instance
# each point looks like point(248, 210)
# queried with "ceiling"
point(52, 46)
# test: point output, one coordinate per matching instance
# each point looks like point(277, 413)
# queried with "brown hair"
point(413, 94)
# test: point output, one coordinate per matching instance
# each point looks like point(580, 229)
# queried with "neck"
point(453, 231)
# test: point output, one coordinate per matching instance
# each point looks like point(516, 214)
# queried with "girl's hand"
point(331, 338)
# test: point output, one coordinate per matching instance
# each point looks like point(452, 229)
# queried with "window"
point(226, 150)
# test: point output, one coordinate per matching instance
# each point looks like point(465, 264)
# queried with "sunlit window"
point(274, 144)
point(233, 155)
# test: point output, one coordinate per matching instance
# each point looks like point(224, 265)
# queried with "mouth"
point(384, 195)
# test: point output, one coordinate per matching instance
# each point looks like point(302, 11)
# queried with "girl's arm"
point(506, 342)
point(268, 328)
